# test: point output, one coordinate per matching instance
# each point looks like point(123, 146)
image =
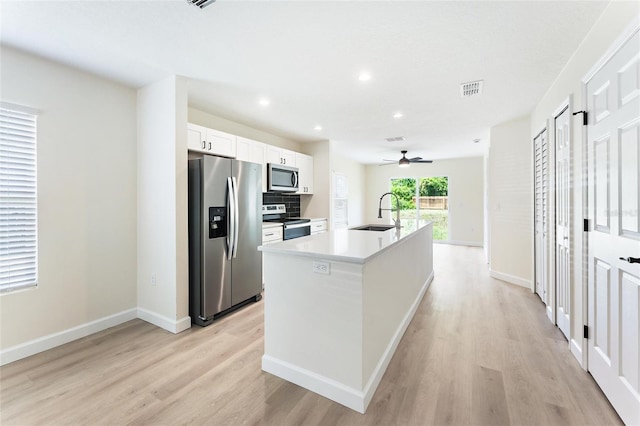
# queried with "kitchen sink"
point(373, 228)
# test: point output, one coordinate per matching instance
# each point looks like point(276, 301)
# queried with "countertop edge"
point(273, 248)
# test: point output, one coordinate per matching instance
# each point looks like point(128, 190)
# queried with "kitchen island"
point(338, 303)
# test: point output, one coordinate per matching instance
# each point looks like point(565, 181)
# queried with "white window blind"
point(18, 221)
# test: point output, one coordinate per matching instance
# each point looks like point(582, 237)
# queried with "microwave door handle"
point(236, 218)
point(294, 179)
point(230, 218)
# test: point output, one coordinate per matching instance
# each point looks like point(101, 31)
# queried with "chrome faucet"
point(397, 220)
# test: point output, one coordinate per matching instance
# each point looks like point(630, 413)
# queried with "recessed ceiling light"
point(364, 76)
point(476, 140)
point(318, 128)
point(398, 115)
point(264, 102)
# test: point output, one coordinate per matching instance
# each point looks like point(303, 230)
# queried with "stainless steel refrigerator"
point(225, 230)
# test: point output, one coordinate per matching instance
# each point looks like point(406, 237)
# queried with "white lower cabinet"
point(318, 226)
point(271, 234)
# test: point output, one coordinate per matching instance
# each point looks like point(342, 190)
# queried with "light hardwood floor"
point(479, 351)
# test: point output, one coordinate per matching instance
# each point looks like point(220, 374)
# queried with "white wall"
point(327, 160)
point(616, 17)
point(356, 178)
point(162, 205)
point(466, 210)
point(510, 202)
point(86, 199)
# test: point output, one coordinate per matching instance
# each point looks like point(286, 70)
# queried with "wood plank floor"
point(478, 352)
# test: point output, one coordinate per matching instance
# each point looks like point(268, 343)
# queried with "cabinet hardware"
point(209, 146)
point(204, 144)
point(631, 259)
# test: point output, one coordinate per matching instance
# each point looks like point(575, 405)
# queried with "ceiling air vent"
point(201, 3)
point(396, 139)
point(471, 88)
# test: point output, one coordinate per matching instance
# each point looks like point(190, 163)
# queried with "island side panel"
point(394, 284)
point(313, 321)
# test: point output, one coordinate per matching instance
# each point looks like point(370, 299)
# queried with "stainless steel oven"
point(296, 230)
point(282, 178)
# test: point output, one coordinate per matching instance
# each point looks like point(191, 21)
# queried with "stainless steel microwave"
point(282, 178)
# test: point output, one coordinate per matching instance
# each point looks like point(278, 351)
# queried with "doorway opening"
point(424, 198)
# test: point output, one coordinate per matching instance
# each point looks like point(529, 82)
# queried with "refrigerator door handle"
point(236, 218)
point(231, 220)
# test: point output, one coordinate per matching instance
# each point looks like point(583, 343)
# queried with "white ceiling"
point(305, 57)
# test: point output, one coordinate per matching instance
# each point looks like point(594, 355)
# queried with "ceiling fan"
point(404, 161)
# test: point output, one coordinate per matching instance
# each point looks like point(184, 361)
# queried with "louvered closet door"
point(563, 229)
point(613, 150)
point(541, 170)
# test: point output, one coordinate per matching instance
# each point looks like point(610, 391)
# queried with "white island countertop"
point(347, 245)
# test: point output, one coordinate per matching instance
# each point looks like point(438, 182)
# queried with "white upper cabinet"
point(255, 152)
point(197, 137)
point(221, 143)
point(304, 163)
point(210, 141)
point(282, 156)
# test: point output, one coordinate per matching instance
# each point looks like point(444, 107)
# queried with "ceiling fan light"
point(404, 162)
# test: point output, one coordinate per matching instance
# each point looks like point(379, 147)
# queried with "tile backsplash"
point(291, 201)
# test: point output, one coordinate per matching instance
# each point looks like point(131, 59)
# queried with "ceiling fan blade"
point(415, 159)
point(393, 161)
point(422, 161)
point(389, 164)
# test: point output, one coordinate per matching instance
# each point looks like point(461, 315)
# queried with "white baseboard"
point(173, 326)
point(577, 352)
point(336, 391)
point(550, 315)
point(42, 344)
point(460, 243)
point(510, 279)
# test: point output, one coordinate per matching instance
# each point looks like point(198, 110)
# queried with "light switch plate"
point(322, 267)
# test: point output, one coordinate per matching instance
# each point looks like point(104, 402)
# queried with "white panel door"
point(563, 229)
point(541, 172)
point(613, 143)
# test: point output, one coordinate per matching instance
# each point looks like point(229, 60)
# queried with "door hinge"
point(586, 225)
point(586, 332)
point(585, 119)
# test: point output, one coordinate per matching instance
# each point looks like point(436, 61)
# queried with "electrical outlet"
point(322, 268)
point(153, 280)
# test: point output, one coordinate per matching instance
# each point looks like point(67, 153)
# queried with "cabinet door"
point(274, 154)
point(243, 148)
point(288, 157)
point(258, 155)
point(277, 155)
point(196, 137)
point(318, 226)
point(221, 143)
point(304, 163)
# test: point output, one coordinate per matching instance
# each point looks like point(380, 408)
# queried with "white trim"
point(626, 34)
point(460, 243)
point(510, 279)
point(576, 351)
point(174, 326)
point(19, 108)
point(336, 391)
point(550, 315)
point(331, 389)
point(44, 343)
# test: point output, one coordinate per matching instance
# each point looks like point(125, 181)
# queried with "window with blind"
point(18, 221)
